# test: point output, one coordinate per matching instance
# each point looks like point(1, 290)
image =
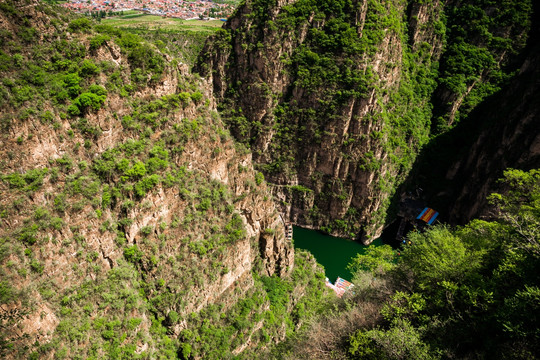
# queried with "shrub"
point(146, 184)
point(133, 254)
point(108, 29)
point(28, 234)
point(79, 25)
point(146, 230)
point(36, 266)
point(30, 181)
point(98, 40)
point(18, 60)
point(87, 129)
point(137, 170)
point(27, 34)
point(73, 110)
point(86, 101)
point(88, 68)
point(98, 90)
point(46, 117)
point(7, 293)
point(196, 97)
point(259, 178)
point(57, 223)
point(72, 83)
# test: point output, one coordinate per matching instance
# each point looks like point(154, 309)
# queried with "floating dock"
point(340, 287)
point(428, 215)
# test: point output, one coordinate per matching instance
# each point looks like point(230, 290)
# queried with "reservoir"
point(331, 252)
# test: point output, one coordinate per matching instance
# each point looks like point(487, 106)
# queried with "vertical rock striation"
point(335, 99)
point(332, 100)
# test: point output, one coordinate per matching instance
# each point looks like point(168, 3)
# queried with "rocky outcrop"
point(335, 100)
point(314, 112)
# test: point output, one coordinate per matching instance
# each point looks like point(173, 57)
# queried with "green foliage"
point(88, 186)
point(146, 184)
point(451, 282)
point(471, 291)
point(86, 129)
point(138, 170)
point(362, 346)
point(519, 207)
point(88, 68)
point(29, 181)
point(278, 291)
point(133, 254)
point(377, 259)
point(141, 56)
point(80, 25)
point(401, 341)
point(473, 65)
point(121, 306)
point(87, 101)
point(196, 97)
point(72, 83)
point(7, 292)
point(97, 41)
point(259, 178)
point(439, 255)
point(28, 234)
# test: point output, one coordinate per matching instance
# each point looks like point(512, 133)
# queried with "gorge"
point(145, 193)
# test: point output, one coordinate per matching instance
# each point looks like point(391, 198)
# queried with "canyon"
point(145, 199)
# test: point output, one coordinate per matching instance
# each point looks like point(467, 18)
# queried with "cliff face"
point(461, 168)
point(482, 43)
point(335, 99)
point(331, 99)
point(127, 209)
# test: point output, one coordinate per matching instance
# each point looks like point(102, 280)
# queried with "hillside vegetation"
point(132, 225)
point(471, 292)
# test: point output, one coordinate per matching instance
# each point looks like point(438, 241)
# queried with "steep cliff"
point(331, 98)
point(460, 168)
point(130, 219)
point(483, 40)
point(335, 99)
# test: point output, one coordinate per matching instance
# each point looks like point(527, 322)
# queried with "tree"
point(439, 255)
point(377, 259)
point(519, 207)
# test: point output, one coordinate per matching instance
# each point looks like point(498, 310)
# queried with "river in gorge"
point(331, 252)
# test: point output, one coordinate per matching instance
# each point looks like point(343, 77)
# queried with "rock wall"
point(335, 100)
point(328, 146)
point(500, 133)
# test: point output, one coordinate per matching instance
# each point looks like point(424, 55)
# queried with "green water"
point(331, 252)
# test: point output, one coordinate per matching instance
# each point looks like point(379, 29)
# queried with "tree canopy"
point(465, 292)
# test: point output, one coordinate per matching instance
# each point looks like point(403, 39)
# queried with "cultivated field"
point(154, 22)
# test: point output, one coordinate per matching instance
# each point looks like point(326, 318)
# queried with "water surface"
point(332, 252)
